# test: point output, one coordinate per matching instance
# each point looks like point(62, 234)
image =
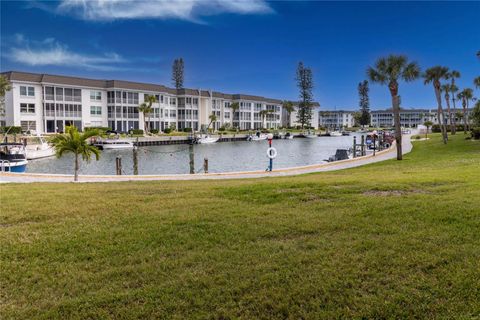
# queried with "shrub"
point(187, 130)
point(154, 131)
point(476, 133)
point(167, 130)
point(136, 131)
point(11, 129)
point(221, 129)
point(100, 129)
point(418, 137)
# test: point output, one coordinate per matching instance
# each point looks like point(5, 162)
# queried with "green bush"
point(476, 133)
point(221, 129)
point(154, 131)
point(100, 129)
point(418, 137)
point(167, 130)
point(436, 128)
point(187, 130)
point(136, 131)
point(11, 129)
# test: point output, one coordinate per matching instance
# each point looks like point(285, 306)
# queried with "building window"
point(59, 94)
point(27, 91)
point(95, 111)
point(95, 95)
point(28, 125)
point(27, 108)
point(195, 101)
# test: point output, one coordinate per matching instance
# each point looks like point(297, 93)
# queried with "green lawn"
point(388, 240)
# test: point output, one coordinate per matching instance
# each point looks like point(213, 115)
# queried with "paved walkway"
point(332, 166)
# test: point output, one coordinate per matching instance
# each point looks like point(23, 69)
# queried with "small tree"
point(178, 73)
point(427, 124)
point(4, 87)
point(476, 114)
point(305, 84)
point(289, 107)
point(465, 95)
point(453, 89)
point(77, 143)
point(235, 106)
point(434, 75)
point(212, 118)
point(389, 71)
point(476, 82)
point(146, 109)
point(363, 90)
point(263, 114)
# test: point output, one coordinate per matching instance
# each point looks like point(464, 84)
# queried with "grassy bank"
point(388, 240)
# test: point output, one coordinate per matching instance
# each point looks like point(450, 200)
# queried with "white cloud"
point(50, 52)
point(108, 10)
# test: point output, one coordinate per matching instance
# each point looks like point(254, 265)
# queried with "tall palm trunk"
point(454, 123)
point(464, 105)
point(77, 165)
point(396, 120)
point(441, 118)
point(447, 99)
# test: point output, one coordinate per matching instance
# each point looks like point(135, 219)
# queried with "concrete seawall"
point(322, 167)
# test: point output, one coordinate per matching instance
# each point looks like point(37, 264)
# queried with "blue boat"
point(13, 157)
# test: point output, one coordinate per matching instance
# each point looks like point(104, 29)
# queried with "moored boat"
point(113, 144)
point(205, 139)
point(257, 137)
point(38, 151)
point(13, 157)
point(335, 134)
point(288, 136)
point(310, 134)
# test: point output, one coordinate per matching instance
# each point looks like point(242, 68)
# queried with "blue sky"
point(248, 46)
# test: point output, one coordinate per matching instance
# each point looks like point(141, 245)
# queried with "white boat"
point(288, 136)
point(335, 134)
point(204, 139)
point(310, 134)
point(38, 151)
point(257, 137)
point(113, 144)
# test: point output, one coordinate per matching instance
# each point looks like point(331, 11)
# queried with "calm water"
point(223, 157)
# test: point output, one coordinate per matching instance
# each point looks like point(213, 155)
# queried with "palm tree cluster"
point(394, 68)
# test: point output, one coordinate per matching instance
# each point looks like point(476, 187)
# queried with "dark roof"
point(120, 84)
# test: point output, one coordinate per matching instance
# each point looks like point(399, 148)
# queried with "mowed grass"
point(398, 239)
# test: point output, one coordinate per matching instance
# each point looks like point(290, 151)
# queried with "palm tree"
point(476, 82)
point(446, 88)
point(434, 75)
point(77, 143)
point(146, 109)
point(465, 95)
point(427, 124)
point(263, 114)
point(289, 107)
point(454, 74)
point(389, 71)
point(235, 106)
point(212, 118)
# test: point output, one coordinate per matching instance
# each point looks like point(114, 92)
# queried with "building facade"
point(411, 118)
point(45, 103)
point(291, 121)
point(337, 119)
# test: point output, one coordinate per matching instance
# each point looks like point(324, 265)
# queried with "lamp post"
point(374, 133)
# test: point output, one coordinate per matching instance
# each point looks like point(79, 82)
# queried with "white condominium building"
point(411, 118)
point(336, 119)
point(44, 103)
point(291, 120)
